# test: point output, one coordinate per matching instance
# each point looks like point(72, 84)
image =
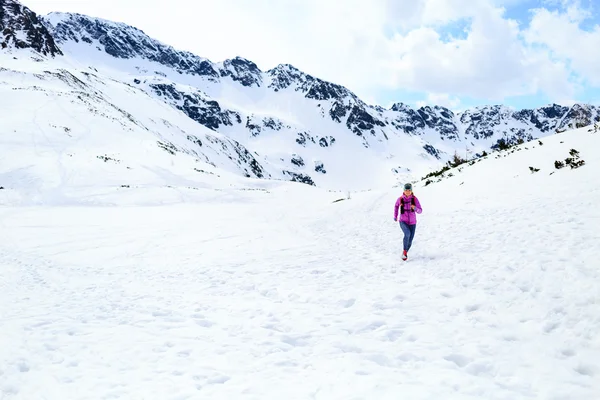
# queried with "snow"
point(59, 123)
point(269, 290)
point(130, 272)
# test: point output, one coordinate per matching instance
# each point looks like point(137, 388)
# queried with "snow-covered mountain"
point(275, 124)
point(493, 123)
point(20, 28)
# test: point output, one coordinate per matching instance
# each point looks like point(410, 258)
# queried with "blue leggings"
point(409, 234)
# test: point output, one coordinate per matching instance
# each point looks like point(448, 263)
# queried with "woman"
point(409, 205)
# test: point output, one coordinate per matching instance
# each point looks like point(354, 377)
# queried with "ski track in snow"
point(275, 300)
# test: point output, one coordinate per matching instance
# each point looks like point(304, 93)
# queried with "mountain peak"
point(20, 28)
point(401, 107)
point(243, 71)
point(125, 42)
point(283, 75)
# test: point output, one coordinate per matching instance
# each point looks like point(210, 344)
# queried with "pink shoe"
point(404, 255)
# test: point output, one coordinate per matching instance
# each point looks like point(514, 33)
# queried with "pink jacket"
point(409, 217)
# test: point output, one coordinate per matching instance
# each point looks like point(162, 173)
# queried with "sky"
point(453, 53)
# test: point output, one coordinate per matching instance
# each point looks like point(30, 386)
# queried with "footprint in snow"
point(218, 380)
point(394, 334)
point(297, 341)
point(460, 360)
point(408, 357)
point(204, 323)
point(509, 338)
point(184, 353)
point(347, 303)
point(584, 369)
point(161, 313)
point(412, 338)
point(23, 367)
point(479, 369)
point(568, 352)
point(473, 307)
point(371, 327)
point(380, 359)
point(349, 348)
point(551, 326)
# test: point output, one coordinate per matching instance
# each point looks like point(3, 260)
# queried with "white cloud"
point(443, 100)
point(491, 62)
point(368, 46)
point(561, 33)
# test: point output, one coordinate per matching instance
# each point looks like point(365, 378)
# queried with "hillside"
point(81, 132)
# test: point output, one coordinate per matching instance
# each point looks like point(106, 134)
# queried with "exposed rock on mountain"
point(20, 28)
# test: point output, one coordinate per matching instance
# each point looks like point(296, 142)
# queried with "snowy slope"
point(66, 130)
point(285, 293)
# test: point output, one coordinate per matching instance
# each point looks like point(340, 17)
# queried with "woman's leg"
point(412, 230)
point(406, 229)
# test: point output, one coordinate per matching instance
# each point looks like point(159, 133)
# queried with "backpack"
point(412, 203)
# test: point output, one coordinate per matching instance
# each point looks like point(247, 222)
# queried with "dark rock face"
point(432, 150)
point(240, 155)
point(197, 107)
point(284, 75)
point(21, 28)
point(414, 122)
point(256, 127)
point(297, 160)
point(483, 123)
point(326, 141)
point(338, 111)
point(524, 125)
point(273, 124)
point(544, 119)
point(321, 90)
point(441, 120)
point(243, 71)
point(360, 120)
point(319, 167)
point(303, 138)
point(302, 178)
point(407, 119)
point(579, 116)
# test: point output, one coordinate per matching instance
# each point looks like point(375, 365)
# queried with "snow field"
point(283, 293)
point(194, 286)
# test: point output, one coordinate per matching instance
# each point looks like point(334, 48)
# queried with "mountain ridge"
point(361, 118)
point(297, 126)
